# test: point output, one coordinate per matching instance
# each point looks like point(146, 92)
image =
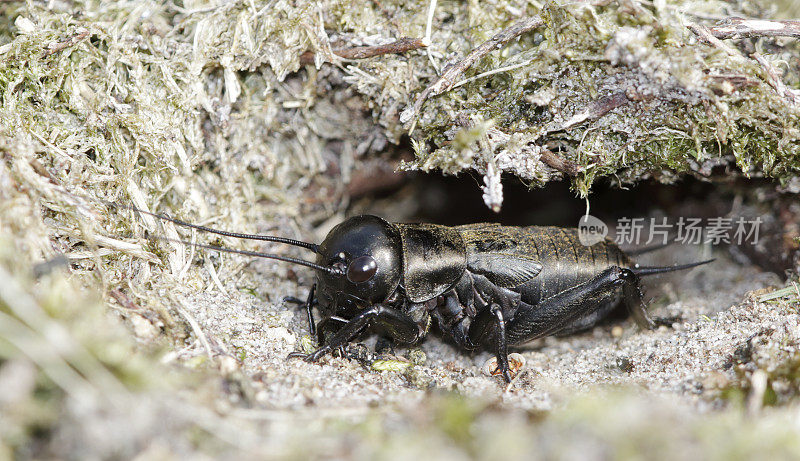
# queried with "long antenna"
point(256, 254)
point(267, 238)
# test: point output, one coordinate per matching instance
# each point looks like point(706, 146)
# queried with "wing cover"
point(502, 254)
point(504, 270)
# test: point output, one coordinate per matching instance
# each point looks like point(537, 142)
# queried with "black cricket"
point(484, 284)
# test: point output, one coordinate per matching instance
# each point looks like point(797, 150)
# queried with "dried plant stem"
point(597, 109)
point(705, 34)
point(744, 28)
point(123, 300)
point(493, 72)
point(558, 163)
point(775, 81)
point(197, 330)
point(449, 78)
point(362, 52)
point(56, 47)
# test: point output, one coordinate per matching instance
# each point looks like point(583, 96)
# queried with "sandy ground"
point(613, 392)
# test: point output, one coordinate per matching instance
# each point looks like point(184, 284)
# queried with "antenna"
point(256, 254)
point(266, 238)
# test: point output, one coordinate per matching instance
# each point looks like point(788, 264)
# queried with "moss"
point(690, 104)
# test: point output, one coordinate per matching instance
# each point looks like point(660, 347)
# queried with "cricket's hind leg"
point(568, 308)
point(590, 320)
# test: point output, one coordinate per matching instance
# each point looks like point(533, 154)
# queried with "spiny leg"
point(309, 305)
point(326, 324)
point(501, 343)
point(312, 327)
point(481, 326)
point(399, 326)
point(558, 311)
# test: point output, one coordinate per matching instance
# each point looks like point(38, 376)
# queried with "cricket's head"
point(361, 257)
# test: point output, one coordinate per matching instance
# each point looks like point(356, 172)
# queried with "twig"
point(558, 163)
point(214, 277)
point(123, 300)
point(775, 81)
point(597, 109)
point(55, 47)
point(362, 52)
point(493, 72)
point(745, 28)
point(705, 34)
point(197, 330)
point(446, 81)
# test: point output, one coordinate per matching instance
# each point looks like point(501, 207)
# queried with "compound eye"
point(362, 269)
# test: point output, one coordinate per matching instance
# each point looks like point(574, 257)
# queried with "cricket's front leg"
point(309, 305)
point(398, 325)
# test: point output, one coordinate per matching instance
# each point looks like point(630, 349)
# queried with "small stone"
point(143, 328)
point(417, 356)
point(228, 365)
point(25, 25)
point(418, 378)
point(625, 364)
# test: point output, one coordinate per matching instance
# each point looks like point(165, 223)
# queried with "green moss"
point(686, 110)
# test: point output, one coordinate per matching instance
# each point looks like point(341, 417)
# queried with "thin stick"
point(449, 78)
point(705, 35)
point(55, 47)
point(362, 52)
point(775, 81)
point(492, 72)
point(123, 300)
point(197, 330)
point(745, 28)
point(597, 109)
point(558, 163)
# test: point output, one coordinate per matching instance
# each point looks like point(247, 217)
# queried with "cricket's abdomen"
point(566, 262)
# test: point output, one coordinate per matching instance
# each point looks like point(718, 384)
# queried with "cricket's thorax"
point(434, 259)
